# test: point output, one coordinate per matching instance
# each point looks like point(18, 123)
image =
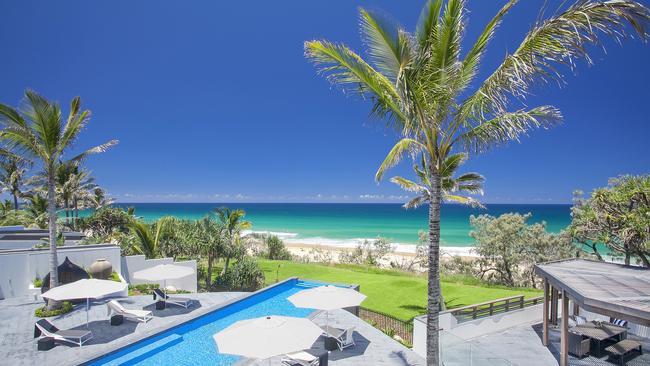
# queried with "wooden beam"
point(564, 340)
point(554, 298)
point(545, 314)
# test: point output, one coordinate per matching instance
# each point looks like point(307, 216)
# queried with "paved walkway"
point(18, 347)
point(522, 346)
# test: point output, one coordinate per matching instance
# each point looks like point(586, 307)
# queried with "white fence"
point(21, 267)
point(136, 263)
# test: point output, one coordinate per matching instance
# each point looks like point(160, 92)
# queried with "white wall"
point(14, 275)
point(134, 263)
point(18, 269)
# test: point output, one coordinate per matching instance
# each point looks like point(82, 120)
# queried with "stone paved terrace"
point(522, 346)
point(18, 347)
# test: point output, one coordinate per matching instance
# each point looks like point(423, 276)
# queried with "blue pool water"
point(192, 344)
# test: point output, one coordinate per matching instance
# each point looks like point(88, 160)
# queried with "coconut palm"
point(471, 183)
point(36, 209)
point(420, 84)
point(98, 199)
point(233, 224)
point(38, 131)
point(12, 174)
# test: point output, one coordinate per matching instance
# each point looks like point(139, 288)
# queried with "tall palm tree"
point(451, 184)
point(12, 173)
point(37, 209)
point(98, 199)
point(233, 224)
point(421, 84)
point(37, 131)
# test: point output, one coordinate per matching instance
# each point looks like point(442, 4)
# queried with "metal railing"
point(388, 324)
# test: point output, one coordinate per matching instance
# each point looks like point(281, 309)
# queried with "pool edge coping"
point(83, 361)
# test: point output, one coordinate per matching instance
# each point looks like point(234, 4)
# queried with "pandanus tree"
point(38, 131)
point(233, 223)
point(426, 87)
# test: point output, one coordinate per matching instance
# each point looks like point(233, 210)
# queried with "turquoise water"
point(344, 222)
point(192, 344)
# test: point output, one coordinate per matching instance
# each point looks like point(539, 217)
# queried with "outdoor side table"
point(331, 344)
point(46, 343)
point(117, 319)
point(160, 305)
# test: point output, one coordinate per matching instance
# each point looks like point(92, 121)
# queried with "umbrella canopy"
point(163, 272)
point(327, 298)
point(267, 336)
point(85, 289)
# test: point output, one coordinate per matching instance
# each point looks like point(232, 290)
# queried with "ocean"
point(344, 224)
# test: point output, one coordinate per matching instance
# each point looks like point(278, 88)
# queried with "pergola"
point(609, 289)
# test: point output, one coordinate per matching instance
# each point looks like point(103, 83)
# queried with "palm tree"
point(37, 209)
point(147, 237)
point(420, 84)
point(12, 172)
point(233, 224)
point(471, 183)
point(208, 236)
point(98, 199)
point(38, 131)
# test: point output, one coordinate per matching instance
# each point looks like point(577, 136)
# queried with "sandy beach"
point(403, 253)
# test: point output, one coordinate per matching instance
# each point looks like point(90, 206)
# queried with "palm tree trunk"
point(225, 265)
point(208, 279)
point(65, 203)
point(51, 208)
point(15, 201)
point(433, 293)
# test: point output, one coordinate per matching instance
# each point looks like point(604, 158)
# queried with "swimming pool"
point(191, 343)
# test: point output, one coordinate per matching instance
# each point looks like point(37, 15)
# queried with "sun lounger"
point(46, 329)
point(301, 358)
point(114, 307)
point(343, 337)
point(180, 301)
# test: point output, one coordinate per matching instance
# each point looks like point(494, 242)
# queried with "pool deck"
point(18, 347)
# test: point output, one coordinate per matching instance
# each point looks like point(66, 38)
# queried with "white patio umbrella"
point(163, 272)
point(327, 298)
point(268, 336)
point(85, 289)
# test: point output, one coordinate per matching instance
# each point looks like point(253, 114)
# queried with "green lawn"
point(400, 294)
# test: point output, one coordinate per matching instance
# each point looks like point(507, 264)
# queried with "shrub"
point(105, 221)
point(276, 248)
point(42, 312)
point(142, 289)
point(245, 275)
point(37, 282)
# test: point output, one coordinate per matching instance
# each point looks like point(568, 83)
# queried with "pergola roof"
point(606, 288)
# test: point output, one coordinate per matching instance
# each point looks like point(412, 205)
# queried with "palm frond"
point(509, 127)
point(403, 146)
point(416, 202)
point(558, 40)
point(388, 46)
point(426, 31)
point(462, 200)
point(408, 185)
point(345, 68)
point(95, 150)
point(473, 57)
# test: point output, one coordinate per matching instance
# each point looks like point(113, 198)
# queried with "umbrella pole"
point(87, 308)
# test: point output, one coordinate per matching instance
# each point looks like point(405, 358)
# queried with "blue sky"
point(214, 101)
